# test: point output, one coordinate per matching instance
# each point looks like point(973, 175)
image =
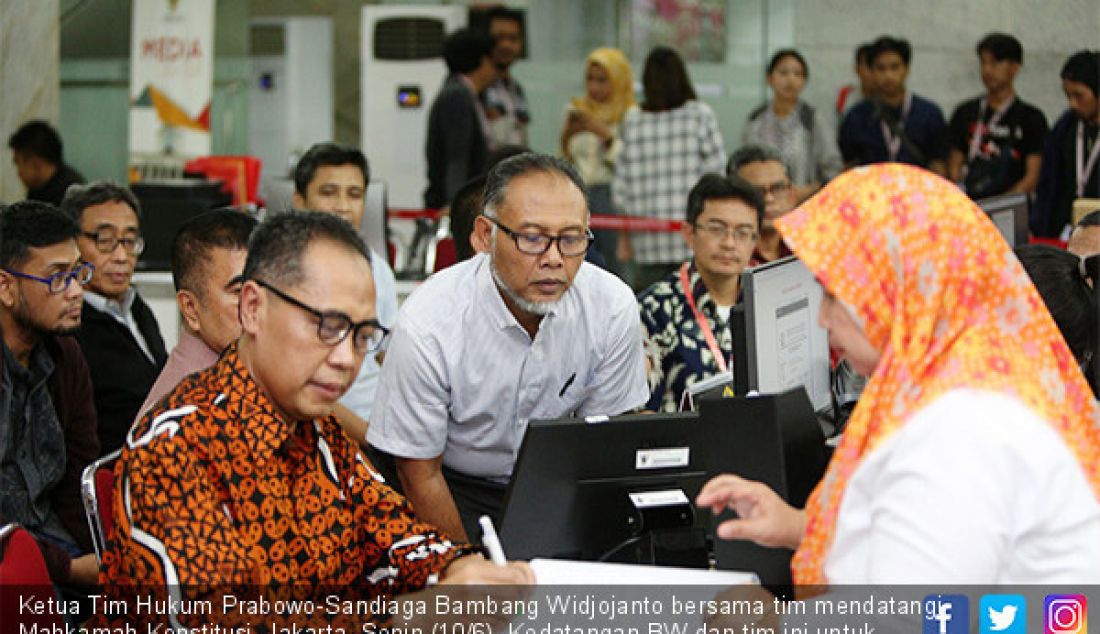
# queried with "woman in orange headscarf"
point(590, 134)
point(973, 455)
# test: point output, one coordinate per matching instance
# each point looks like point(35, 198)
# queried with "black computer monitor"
point(1009, 213)
point(777, 342)
point(622, 490)
point(166, 206)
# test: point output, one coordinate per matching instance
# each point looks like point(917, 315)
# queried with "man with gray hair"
point(119, 336)
point(764, 169)
point(524, 330)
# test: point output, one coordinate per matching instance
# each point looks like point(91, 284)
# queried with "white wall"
point(29, 84)
point(944, 35)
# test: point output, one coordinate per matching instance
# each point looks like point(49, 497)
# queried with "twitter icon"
point(1003, 614)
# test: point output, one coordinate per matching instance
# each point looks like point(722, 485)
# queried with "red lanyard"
point(701, 319)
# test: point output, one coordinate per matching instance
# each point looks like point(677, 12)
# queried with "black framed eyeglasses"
point(570, 245)
point(107, 242)
point(59, 282)
point(777, 188)
point(333, 326)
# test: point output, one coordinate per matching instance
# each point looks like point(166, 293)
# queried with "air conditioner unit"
point(403, 71)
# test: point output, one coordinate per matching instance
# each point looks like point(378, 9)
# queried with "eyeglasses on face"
point(59, 282)
point(777, 188)
point(106, 241)
point(719, 231)
point(570, 245)
point(333, 326)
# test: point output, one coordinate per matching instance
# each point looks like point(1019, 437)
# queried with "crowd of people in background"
point(292, 341)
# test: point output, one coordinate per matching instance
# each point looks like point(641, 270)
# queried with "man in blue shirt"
point(896, 125)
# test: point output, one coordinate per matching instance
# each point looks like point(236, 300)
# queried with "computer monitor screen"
point(780, 344)
point(598, 491)
point(1009, 213)
point(166, 206)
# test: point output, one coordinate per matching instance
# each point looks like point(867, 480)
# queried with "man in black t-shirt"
point(997, 139)
point(37, 153)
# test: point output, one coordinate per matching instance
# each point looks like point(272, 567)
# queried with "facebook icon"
point(946, 614)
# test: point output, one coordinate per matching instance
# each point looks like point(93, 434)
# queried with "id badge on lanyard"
point(893, 143)
point(981, 128)
point(1085, 168)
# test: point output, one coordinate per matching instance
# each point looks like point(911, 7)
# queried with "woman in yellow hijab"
point(973, 455)
point(590, 133)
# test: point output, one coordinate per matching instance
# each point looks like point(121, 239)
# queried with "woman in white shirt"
point(973, 455)
point(590, 134)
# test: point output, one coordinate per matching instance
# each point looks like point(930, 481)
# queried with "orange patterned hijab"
point(944, 299)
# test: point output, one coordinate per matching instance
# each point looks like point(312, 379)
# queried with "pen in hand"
point(491, 541)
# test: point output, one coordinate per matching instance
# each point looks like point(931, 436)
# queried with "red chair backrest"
point(105, 496)
point(445, 254)
point(23, 572)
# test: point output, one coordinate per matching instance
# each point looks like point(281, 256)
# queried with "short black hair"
point(1057, 275)
point(216, 229)
point(1002, 46)
point(1091, 219)
point(887, 44)
point(755, 154)
point(31, 224)
point(665, 81)
point(501, 12)
point(496, 183)
point(37, 138)
point(327, 155)
point(784, 53)
point(80, 197)
point(464, 49)
point(717, 187)
point(863, 53)
point(465, 207)
point(1083, 67)
point(276, 247)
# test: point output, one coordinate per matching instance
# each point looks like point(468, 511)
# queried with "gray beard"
point(535, 308)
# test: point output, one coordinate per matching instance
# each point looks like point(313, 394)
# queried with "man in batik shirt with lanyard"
point(686, 315)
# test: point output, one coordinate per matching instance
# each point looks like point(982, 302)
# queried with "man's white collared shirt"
point(462, 378)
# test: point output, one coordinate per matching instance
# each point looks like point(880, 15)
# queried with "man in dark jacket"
point(47, 416)
point(37, 152)
point(1071, 157)
point(457, 146)
point(119, 335)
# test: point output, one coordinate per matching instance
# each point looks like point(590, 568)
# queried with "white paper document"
point(563, 572)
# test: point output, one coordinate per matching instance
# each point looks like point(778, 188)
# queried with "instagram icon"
point(1065, 614)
